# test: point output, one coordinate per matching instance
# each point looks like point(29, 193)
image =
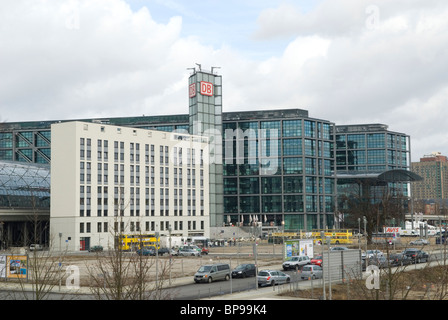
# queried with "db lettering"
point(206, 88)
point(192, 90)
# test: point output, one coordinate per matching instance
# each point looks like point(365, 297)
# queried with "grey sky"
point(348, 61)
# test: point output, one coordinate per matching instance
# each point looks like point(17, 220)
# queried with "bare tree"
point(120, 275)
point(379, 204)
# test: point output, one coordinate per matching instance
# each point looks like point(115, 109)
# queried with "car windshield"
point(204, 269)
point(318, 257)
point(240, 267)
point(263, 273)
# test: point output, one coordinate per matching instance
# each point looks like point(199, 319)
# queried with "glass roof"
point(24, 179)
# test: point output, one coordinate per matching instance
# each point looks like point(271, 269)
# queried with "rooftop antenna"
point(199, 66)
point(215, 68)
point(194, 69)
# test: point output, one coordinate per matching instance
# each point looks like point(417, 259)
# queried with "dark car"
point(147, 251)
point(163, 251)
point(96, 249)
point(244, 270)
point(380, 261)
point(399, 259)
point(416, 255)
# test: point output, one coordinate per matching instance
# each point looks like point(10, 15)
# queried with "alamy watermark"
point(252, 146)
point(72, 281)
point(72, 19)
point(373, 279)
point(373, 18)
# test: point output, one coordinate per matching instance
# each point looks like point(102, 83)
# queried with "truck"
point(172, 242)
point(419, 229)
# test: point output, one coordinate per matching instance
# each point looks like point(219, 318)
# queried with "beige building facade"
point(109, 179)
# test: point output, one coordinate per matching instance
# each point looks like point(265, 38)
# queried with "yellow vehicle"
point(137, 241)
point(341, 236)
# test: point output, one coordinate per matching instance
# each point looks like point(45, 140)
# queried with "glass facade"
point(372, 149)
point(278, 166)
point(298, 190)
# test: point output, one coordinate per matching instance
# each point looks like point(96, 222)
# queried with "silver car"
point(272, 277)
point(422, 242)
point(189, 252)
point(311, 272)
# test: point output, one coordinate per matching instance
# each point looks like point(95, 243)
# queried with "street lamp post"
point(329, 266)
point(365, 230)
point(322, 234)
point(157, 260)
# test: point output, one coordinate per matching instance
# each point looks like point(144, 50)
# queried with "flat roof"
point(395, 175)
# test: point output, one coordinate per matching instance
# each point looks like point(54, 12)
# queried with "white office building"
point(107, 179)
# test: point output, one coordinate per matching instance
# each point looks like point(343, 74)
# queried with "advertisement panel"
point(16, 266)
point(303, 247)
point(2, 266)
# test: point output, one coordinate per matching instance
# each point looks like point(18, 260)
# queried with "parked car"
point(244, 270)
point(146, 251)
point(399, 259)
point(189, 252)
point(204, 250)
point(416, 255)
point(296, 262)
point(36, 247)
point(212, 272)
point(317, 260)
point(338, 248)
point(272, 277)
point(372, 253)
point(419, 242)
point(311, 271)
point(163, 251)
point(379, 261)
point(96, 249)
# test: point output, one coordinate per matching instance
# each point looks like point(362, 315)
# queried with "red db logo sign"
point(192, 90)
point(206, 88)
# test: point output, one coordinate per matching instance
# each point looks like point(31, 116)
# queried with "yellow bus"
point(136, 241)
point(340, 236)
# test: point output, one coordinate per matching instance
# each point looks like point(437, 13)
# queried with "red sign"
point(392, 229)
point(206, 88)
point(192, 90)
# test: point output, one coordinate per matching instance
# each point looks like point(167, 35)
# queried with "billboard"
point(3, 266)
point(16, 266)
point(303, 247)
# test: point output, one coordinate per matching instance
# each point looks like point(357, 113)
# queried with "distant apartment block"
point(433, 168)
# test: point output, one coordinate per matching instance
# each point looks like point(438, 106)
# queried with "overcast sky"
point(347, 61)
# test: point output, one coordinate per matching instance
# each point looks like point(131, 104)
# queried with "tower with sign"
point(205, 119)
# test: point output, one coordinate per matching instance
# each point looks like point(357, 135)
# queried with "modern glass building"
point(371, 149)
point(24, 203)
point(280, 168)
